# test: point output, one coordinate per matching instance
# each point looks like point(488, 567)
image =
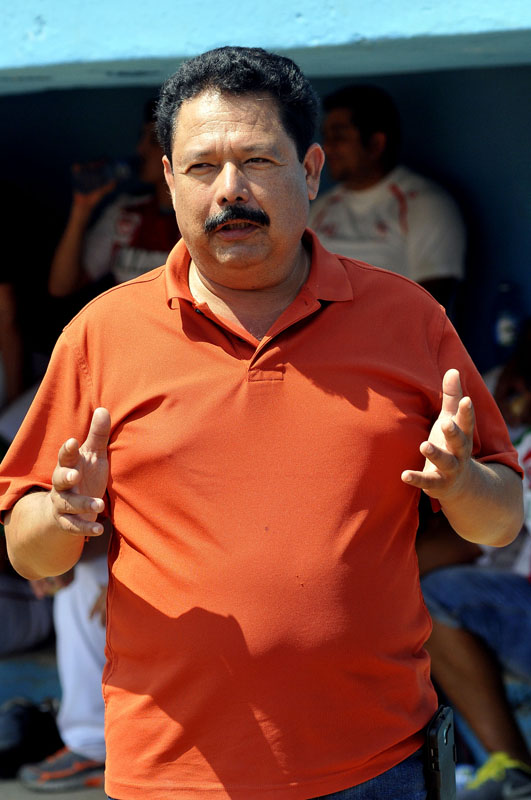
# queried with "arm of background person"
point(482, 502)
point(46, 530)
point(67, 273)
point(10, 343)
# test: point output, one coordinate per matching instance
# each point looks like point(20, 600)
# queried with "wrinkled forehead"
point(205, 107)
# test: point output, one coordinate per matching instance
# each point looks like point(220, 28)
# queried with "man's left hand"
point(448, 449)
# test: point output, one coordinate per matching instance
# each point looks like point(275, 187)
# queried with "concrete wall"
point(54, 44)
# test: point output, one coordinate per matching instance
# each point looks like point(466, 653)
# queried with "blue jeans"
point(403, 782)
point(494, 605)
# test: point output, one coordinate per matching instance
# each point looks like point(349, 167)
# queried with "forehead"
point(212, 113)
point(339, 119)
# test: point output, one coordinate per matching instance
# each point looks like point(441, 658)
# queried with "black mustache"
point(236, 212)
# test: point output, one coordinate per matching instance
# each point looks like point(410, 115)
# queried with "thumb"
point(99, 432)
point(451, 392)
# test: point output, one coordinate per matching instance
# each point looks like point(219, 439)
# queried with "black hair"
point(150, 109)
point(372, 110)
point(239, 71)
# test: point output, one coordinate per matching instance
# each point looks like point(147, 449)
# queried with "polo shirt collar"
point(327, 280)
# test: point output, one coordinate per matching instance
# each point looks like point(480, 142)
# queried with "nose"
point(231, 186)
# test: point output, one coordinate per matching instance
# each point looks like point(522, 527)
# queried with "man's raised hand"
point(80, 478)
point(448, 449)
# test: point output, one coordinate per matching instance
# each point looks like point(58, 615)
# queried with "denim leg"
point(403, 782)
point(494, 605)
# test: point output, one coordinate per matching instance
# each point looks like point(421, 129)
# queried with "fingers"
point(452, 392)
point(453, 402)
point(449, 448)
point(69, 453)
point(79, 479)
point(442, 474)
point(76, 523)
point(465, 418)
point(457, 418)
point(74, 512)
point(100, 429)
point(457, 431)
point(70, 502)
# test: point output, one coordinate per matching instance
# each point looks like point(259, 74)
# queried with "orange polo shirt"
point(265, 620)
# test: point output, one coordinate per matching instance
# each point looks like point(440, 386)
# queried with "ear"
point(313, 164)
point(168, 175)
point(377, 145)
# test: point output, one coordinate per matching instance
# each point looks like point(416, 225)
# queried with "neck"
point(254, 309)
point(361, 182)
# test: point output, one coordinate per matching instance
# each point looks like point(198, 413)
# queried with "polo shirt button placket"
point(272, 370)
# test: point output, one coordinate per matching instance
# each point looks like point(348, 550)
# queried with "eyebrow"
point(205, 153)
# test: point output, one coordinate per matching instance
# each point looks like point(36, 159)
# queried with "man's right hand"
point(80, 478)
point(90, 184)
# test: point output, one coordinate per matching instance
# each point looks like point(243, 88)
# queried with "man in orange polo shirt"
point(258, 418)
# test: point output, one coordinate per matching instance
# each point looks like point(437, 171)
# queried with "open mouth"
point(236, 226)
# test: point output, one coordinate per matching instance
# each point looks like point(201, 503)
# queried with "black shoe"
point(28, 733)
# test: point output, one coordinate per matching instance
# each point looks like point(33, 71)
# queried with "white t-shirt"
point(112, 246)
point(405, 223)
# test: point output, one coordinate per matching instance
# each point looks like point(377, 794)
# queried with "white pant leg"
point(80, 660)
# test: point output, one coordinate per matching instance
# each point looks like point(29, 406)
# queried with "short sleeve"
point(62, 408)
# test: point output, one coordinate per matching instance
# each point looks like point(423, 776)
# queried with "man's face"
point(232, 152)
point(150, 153)
point(348, 160)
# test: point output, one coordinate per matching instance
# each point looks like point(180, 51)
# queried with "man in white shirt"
point(379, 211)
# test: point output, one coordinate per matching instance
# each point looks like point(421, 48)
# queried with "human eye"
point(199, 167)
point(259, 161)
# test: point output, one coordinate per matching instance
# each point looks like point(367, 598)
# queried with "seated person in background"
point(26, 618)
point(381, 212)
point(132, 235)
point(27, 327)
point(510, 385)
point(10, 344)
point(79, 619)
point(78, 615)
point(481, 616)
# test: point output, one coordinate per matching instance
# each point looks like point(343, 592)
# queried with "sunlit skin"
point(230, 150)
point(349, 161)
